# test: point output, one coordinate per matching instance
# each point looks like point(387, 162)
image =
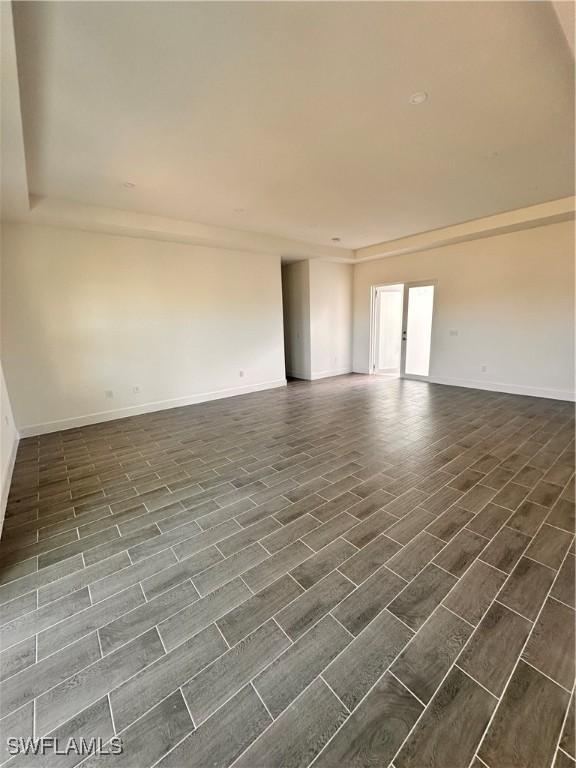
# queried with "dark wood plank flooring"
point(350, 572)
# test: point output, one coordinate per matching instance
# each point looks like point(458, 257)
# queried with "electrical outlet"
point(484, 368)
point(108, 394)
point(136, 390)
point(453, 332)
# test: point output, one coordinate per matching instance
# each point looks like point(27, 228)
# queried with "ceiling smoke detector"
point(335, 239)
point(129, 185)
point(419, 97)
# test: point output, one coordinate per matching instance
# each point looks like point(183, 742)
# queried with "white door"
point(417, 330)
point(387, 348)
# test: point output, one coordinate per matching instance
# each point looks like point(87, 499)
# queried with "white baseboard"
point(7, 479)
point(32, 430)
point(326, 374)
point(494, 386)
point(318, 374)
point(511, 389)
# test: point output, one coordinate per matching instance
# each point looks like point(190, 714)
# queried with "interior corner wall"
point(504, 302)
point(296, 309)
point(330, 318)
point(97, 326)
point(8, 444)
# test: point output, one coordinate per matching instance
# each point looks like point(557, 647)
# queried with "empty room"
point(287, 327)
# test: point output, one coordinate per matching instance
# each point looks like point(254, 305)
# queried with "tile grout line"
point(413, 633)
point(529, 664)
point(543, 444)
point(457, 666)
point(114, 729)
point(520, 654)
point(458, 616)
point(79, 613)
point(404, 685)
point(273, 619)
point(170, 694)
point(495, 601)
point(228, 646)
point(388, 669)
point(184, 641)
point(253, 687)
point(557, 600)
point(310, 683)
point(317, 582)
point(438, 687)
point(327, 684)
point(560, 749)
point(340, 623)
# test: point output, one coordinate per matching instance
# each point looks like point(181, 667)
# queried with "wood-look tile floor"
point(351, 572)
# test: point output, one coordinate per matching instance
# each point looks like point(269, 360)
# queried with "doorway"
point(401, 329)
point(388, 306)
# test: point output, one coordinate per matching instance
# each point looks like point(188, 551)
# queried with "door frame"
point(373, 323)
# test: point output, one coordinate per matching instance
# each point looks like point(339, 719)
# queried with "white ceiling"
point(298, 113)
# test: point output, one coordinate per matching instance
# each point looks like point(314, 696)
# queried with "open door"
point(388, 319)
point(417, 330)
point(401, 329)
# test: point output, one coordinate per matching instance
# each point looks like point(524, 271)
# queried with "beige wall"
point(8, 444)
point(510, 298)
point(317, 299)
point(83, 313)
point(330, 318)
